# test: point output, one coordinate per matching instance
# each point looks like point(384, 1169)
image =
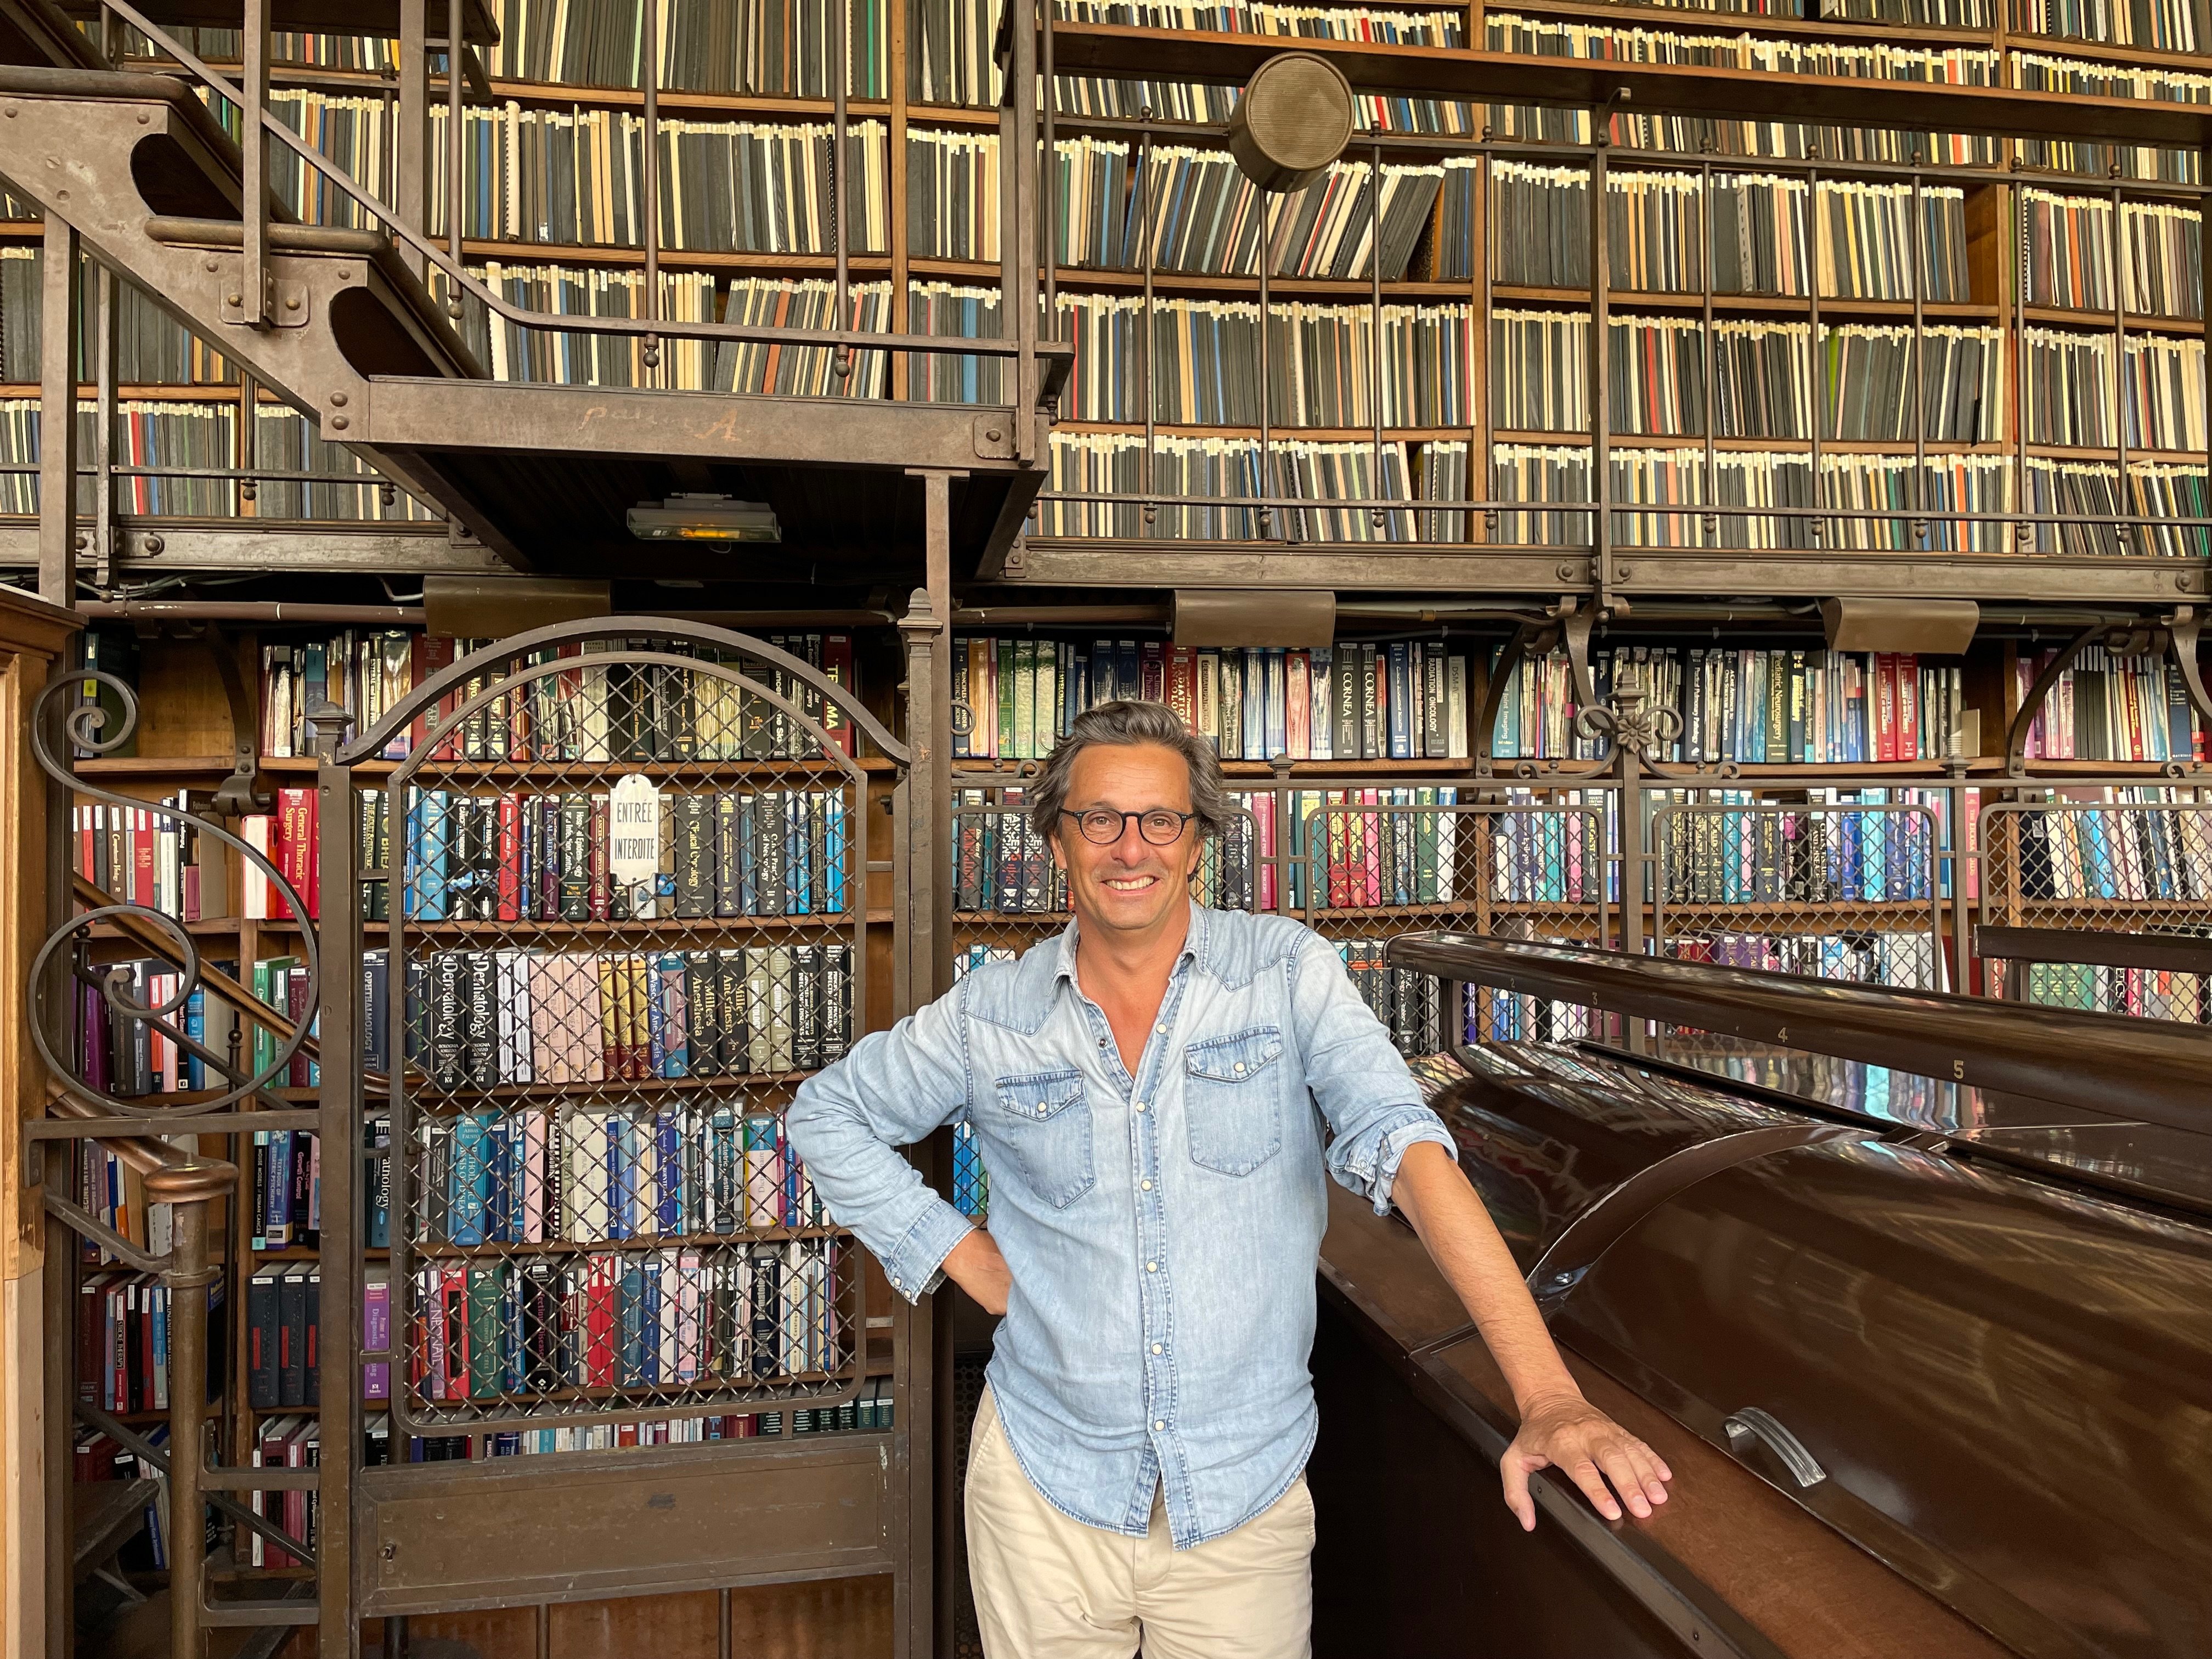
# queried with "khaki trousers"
point(1048, 1587)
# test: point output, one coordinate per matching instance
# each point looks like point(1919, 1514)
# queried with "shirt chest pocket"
point(1233, 1100)
point(1046, 1124)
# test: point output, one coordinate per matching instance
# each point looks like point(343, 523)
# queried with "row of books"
point(1414, 1006)
point(2033, 71)
point(98, 1459)
point(769, 46)
point(122, 1342)
point(594, 1175)
point(150, 433)
point(1909, 960)
point(157, 859)
point(587, 711)
point(1002, 864)
point(283, 1190)
point(510, 351)
point(629, 855)
point(2156, 24)
point(2141, 993)
point(1736, 850)
point(578, 176)
point(1118, 462)
point(283, 1334)
point(1842, 239)
point(1765, 379)
point(1315, 848)
point(1361, 699)
point(151, 347)
point(290, 1442)
point(868, 1413)
point(2071, 257)
point(484, 1019)
point(114, 1194)
point(2133, 848)
point(2068, 391)
point(1770, 707)
point(2106, 706)
point(713, 1317)
point(1911, 498)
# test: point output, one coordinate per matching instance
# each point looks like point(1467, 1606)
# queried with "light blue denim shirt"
point(1162, 1230)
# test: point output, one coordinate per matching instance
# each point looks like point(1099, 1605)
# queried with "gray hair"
point(1126, 724)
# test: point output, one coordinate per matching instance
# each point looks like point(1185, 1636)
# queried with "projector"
point(704, 518)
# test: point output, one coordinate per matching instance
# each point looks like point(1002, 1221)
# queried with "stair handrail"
point(1057, 358)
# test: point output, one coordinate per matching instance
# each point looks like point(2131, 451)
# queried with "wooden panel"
point(1809, 1590)
point(1382, 1268)
point(827, 1619)
point(583, 1527)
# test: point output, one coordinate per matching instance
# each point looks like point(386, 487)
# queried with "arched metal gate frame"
point(712, 1513)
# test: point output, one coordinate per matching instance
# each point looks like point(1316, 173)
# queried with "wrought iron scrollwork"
point(1629, 723)
point(56, 730)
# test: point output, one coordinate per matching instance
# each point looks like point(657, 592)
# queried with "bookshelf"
point(1407, 376)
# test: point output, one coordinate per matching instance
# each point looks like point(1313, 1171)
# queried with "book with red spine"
point(142, 855)
point(599, 1321)
point(837, 667)
point(1182, 685)
point(296, 817)
point(510, 858)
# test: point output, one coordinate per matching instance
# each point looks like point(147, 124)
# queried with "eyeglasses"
point(1162, 826)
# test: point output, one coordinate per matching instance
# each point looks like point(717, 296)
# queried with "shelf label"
point(634, 831)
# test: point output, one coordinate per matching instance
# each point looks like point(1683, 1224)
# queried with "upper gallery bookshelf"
point(1766, 313)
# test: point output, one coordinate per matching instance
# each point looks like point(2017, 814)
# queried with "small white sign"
point(633, 830)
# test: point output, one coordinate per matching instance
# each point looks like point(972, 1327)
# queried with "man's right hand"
point(976, 1265)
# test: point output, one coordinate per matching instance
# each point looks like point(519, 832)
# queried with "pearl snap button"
point(1155, 1348)
point(1040, 1111)
point(1240, 1065)
point(1146, 1185)
point(1162, 1030)
point(1140, 1105)
point(1151, 1266)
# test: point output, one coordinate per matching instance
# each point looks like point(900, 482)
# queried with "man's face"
point(1128, 886)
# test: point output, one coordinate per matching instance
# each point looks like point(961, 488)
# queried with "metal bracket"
point(285, 304)
point(994, 437)
point(240, 793)
point(2032, 704)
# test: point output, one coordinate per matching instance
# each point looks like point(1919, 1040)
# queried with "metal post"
point(1599, 377)
point(340, 1102)
point(57, 416)
point(456, 148)
point(411, 169)
point(1149, 514)
point(2124, 534)
point(103, 428)
point(1820, 527)
point(1375, 327)
point(1267, 381)
point(252, 297)
point(1018, 160)
point(187, 1187)
point(650, 352)
point(1712, 484)
point(1919, 368)
point(839, 54)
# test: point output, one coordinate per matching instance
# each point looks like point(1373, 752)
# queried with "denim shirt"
point(1162, 1230)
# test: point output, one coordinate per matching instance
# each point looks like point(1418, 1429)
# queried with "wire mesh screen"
point(1374, 863)
point(2142, 864)
point(630, 920)
point(1841, 890)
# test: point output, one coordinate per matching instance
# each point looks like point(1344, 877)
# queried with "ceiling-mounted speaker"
point(1292, 121)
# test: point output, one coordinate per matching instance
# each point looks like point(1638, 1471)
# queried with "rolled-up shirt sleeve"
point(1358, 1079)
point(847, 1122)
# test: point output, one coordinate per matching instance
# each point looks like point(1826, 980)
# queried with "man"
point(1150, 1091)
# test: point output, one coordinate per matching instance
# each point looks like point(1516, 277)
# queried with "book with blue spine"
point(469, 1195)
point(668, 1170)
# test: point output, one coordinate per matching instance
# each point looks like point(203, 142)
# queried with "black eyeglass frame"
point(1121, 827)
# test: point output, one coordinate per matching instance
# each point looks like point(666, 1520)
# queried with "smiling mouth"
point(1130, 884)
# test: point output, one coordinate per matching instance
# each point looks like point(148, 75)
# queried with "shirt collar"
point(1194, 944)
